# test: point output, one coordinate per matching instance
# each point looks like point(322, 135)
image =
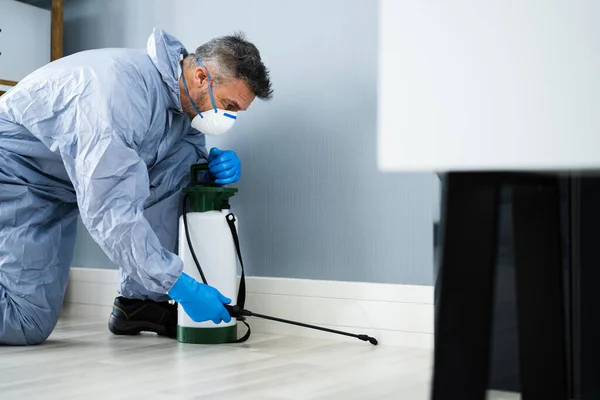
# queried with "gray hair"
point(234, 57)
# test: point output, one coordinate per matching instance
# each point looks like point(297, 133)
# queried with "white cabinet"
point(489, 85)
point(24, 39)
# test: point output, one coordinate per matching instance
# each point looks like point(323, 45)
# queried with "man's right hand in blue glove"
point(201, 302)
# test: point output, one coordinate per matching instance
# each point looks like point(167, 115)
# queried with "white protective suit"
point(99, 134)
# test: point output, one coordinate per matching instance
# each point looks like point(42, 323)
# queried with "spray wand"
point(240, 313)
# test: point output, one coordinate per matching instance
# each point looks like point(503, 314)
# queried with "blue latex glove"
point(201, 302)
point(224, 166)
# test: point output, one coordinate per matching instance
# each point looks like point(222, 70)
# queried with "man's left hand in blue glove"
point(224, 166)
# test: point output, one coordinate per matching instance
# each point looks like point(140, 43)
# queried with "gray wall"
point(312, 203)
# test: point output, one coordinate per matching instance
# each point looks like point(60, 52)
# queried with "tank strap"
point(241, 298)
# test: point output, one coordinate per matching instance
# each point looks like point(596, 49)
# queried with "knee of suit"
point(24, 327)
point(37, 334)
point(34, 334)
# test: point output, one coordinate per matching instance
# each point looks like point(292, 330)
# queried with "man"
point(110, 135)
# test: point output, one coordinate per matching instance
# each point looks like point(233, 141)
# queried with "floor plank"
point(82, 359)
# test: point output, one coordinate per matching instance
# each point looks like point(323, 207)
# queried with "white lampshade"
point(489, 85)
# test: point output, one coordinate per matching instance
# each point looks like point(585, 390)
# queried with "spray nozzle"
point(366, 338)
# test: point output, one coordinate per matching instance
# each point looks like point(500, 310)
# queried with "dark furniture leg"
point(539, 289)
point(466, 279)
point(588, 288)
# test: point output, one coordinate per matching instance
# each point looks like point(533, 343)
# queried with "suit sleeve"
point(112, 183)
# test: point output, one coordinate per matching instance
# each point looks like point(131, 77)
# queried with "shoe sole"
point(131, 328)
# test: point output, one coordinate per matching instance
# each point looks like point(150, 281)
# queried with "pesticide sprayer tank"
point(207, 208)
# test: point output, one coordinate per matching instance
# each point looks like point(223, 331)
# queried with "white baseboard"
point(398, 315)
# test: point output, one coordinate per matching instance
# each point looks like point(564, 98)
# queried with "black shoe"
point(131, 316)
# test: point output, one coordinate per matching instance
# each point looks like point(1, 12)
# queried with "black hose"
point(189, 240)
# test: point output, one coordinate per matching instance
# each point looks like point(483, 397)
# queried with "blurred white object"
point(489, 85)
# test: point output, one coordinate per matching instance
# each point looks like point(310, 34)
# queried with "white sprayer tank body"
point(214, 247)
point(206, 207)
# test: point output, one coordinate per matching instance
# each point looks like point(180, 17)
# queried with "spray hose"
point(238, 311)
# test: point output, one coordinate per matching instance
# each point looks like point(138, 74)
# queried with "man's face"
point(233, 95)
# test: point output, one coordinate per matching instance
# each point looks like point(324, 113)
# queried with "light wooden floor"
point(83, 360)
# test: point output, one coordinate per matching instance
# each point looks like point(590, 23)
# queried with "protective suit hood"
point(165, 51)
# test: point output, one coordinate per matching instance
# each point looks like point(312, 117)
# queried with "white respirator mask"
point(211, 122)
